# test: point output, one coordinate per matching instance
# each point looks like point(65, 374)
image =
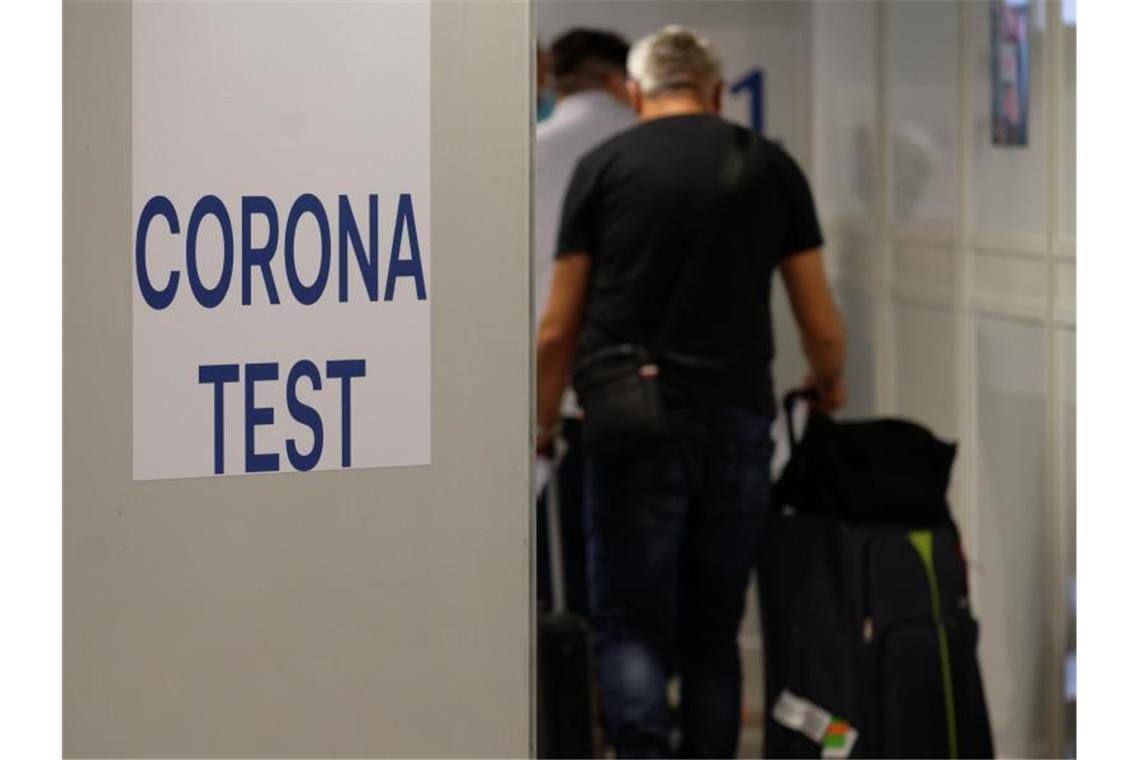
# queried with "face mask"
point(545, 105)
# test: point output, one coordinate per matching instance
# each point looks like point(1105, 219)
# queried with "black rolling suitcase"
point(565, 666)
point(870, 647)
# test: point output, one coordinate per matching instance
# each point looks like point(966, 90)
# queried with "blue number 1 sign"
point(752, 83)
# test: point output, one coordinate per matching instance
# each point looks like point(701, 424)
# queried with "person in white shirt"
point(592, 104)
point(587, 67)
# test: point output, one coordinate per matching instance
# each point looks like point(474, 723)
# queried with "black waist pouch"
point(618, 390)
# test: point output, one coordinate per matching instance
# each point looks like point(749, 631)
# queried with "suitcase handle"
point(554, 529)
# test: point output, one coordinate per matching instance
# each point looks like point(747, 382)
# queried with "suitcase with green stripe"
point(870, 644)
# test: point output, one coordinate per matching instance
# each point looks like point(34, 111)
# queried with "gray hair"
point(674, 58)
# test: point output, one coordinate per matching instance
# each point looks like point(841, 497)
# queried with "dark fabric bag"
point(874, 471)
point(621, 402)
point(864, 597)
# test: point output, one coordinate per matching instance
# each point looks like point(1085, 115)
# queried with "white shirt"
point(579, 123)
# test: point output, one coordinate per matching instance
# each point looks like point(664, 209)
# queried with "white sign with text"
point(281, 237)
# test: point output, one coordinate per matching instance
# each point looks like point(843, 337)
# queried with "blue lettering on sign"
point(257, 259)
point(257, 415)
point(210, 205)
point(306, 415)
point(345, 370)
point(261, 257)
point(410, 267)
point(349, 233)
point(217, 375)
point(307, 294)
point(159, 205)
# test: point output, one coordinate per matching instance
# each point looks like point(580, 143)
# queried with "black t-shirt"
point(695, 209)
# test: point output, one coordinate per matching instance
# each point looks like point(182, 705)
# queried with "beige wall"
point(361, 613)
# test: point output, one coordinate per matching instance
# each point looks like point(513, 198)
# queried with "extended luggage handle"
point(791, 398)
point(554, 529)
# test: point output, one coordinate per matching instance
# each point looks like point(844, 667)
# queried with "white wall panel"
point(852, 254)
point(1012, 595)
point(926, 266)
point(925, 360)
point(844, 122)
point(858, 307)
point(922, 91)
point(1065, 292)
point(1008, 187)
point(1012, 285)
point(1067, 395)
point(1066, 342)
point(1067, 105)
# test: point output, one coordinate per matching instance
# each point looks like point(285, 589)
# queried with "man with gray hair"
point(675, 60)
point(670, 234)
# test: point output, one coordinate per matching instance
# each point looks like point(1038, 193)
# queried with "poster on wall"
point(1009, 72)
point(281, 230)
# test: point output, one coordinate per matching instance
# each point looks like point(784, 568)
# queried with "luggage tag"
point(835, 735)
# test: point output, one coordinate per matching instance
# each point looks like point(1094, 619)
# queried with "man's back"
point(685, 218)
point(579, 123)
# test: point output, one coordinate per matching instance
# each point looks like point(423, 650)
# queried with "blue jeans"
point(672, 537)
